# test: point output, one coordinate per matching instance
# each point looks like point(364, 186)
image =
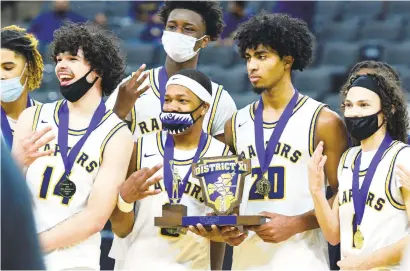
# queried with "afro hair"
point(101, 50)
point(210, 11)
point(286, 35)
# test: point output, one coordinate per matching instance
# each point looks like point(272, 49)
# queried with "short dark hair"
point(210, 11)
point(198, 76)
point(391, 96)
point(101, 49)
point(371, 64)
point(288, 36)
point(19, 41)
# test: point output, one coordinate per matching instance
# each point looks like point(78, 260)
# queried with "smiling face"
point(71, 68)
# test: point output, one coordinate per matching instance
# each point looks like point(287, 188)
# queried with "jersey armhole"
point(214, 109)
point(312, 128)
point(108, 137)
point(233, 128)
point(36, 117)
point(388, 183)
point(139, 150)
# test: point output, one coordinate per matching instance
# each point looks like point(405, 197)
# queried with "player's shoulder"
point(403, 151)
point(152, 138)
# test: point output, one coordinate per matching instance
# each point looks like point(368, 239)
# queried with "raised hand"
point(26, 150)
point(129, 92)
point(316, 173)
point(136, 187)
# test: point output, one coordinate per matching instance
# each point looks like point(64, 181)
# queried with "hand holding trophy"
point(222, 180)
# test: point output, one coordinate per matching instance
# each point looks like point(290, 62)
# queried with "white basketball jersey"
point(13, 122)
point(385, 219)
point(152, 248)
point(44, 175)
point(289, 194)
point(144, 116)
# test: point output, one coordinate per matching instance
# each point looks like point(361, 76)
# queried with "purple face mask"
point(177, 122)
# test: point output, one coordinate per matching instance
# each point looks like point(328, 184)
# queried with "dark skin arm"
point(280, 228)
point(228, 136)
point(134, 188)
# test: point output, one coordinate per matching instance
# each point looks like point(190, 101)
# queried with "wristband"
point(124, 206)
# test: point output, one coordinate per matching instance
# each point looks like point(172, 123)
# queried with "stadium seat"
point(339, 54)
point(329, 9)
point(219, 55)
point(234, 80)
point(399, 7)
point(139, 53)
point(117, 8)
point(243, 99)
point(131, 31)
point(398, 53)
point(334, 101)
point(363, 9)
point(389, 30)
point(313, 82)
point(340, 31)
point(88, 9)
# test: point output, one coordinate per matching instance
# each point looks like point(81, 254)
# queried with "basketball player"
point(369, 216)
point(189, 27)
point(187, 100)
point(21, 72)
point(75, 194)
point(292, 125)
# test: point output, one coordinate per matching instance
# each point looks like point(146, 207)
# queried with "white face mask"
point(178, 46)
point(11, 89)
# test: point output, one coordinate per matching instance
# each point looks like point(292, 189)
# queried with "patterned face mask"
point(177, 122)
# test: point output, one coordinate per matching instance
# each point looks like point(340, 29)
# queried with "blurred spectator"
point(144, 10)
point(101, 20)
point(153, 30)
point(45, 23)
point(304, 10)
point(236, 15)
point(19, 241)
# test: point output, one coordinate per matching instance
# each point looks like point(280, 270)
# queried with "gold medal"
point(358, 239)
point(263, 187)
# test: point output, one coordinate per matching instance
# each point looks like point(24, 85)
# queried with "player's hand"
point(316, 173)
point(27, 151)
point(280, 228)
point(129, 92)
point(232, 236)
point(353, 262)
point(404, 176)
point(214, 234)
point(136, 187)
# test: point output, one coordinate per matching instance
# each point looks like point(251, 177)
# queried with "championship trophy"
point(222, 180)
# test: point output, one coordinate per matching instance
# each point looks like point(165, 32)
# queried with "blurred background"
point(346, 32)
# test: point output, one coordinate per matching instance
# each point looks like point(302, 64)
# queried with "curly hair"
point(210, 11)
point(391, 96)
point(101, 50)
point(375, 65)
point(288, 36)
point(19, 41)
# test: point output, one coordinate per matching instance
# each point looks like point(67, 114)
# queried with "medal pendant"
point(358, 239)
point(263, 187)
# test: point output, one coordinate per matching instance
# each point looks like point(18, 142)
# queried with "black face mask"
point(76, 90)
point(362, 128)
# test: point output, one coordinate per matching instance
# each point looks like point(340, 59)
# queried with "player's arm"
point(228, 134)
point(391, 255)
point(331, 130)
point(26, 142)
point(224, 111)
point(123, 222)
point(102, 199)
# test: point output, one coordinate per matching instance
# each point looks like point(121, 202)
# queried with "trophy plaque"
point(222, 180)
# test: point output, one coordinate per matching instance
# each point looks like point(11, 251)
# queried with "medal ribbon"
point(63, 114)
point(5, 125)
point(169, 156)
point(265, 157)
point(162, 82)
point(360, 195)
